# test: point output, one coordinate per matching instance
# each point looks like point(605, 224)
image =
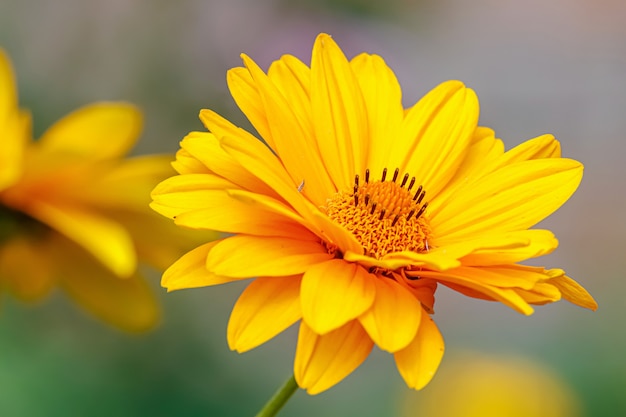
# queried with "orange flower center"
point(385, 215)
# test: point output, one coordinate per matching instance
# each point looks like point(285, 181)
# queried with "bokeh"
point(538, 67)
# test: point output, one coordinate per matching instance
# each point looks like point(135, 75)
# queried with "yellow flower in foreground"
point(358, 209)
point(74, 214)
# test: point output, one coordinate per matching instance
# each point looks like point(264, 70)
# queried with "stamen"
point(419, 213)
point(411, 184)
point(404, 180)
point(417, 193)
point(395, 220)
point(365, 213)
point(421, 197)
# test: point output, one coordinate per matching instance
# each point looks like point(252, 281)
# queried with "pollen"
point(386, 215)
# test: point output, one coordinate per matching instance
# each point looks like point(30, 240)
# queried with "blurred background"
point(538, 67)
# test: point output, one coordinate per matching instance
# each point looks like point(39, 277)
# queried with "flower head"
point(74, 213)
point(358, 208)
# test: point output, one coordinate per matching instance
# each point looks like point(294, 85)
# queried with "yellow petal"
point(418, 362)
point(126, 303)
point(544, 146)
point(537, 242)
point(245, 256)
point(397, 260)
point(248, 98)
point(186, 163)
point(484, 148)
point(99, 131)
point(8, 89)
point(105, 239)
point(481, 281)
point(266, 307)
point(574, 292)
point(14, 125)
point(158, 241)
point(323, 361)
point(436, 134)
point(334, 293)
point(259, 160)
point(541, 293)
point(206, 148)
point(383, 103)
point(127, 184)
point(393, 318)
point(514, 197)
point(339, 113)
point(26, 267)
point(190, 271)
point(291, 140)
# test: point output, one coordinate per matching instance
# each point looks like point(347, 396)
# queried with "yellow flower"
point(358, 209)
point(75, 214)
point(493, 386)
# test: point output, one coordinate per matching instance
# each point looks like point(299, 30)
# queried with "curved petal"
point(98, 131)
point(190, 271)
point(436, 135)
point(541, 147)
point(8, 87)
point(477, 280)
point(334, 293)
point(191, 201)
point(259, 160)
point(514, 197)
point(186, 163)
point(245, 256)
point(436, 260)
point(574, 292)
point(541, 293)
point(383, 102)
point(418, 362)
point(394, 317)
point(339, 113)
point(323, 361)
point(105, 239)
point(265, 308)
point(14, 125)
point(206, 148)
point(540, 242)
point(126, 303)
point(158, 241)
point(27, 267)
point(244, 91)
point(291, 140)
point(484, 149)
point(124, 185)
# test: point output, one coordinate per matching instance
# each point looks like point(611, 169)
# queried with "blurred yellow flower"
point(358, 209)
point(474, 385)
point(75, 214)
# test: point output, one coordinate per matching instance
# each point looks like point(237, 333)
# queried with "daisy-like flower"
point(74, 213)
point(358, 208)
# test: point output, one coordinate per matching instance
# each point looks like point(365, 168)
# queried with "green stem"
point(280, 397)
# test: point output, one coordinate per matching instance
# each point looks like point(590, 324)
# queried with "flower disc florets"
point(385, 216)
